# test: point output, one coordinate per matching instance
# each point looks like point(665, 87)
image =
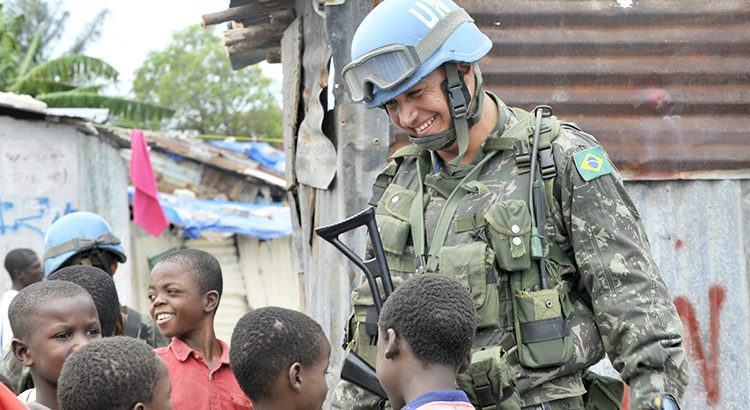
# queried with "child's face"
point(160, 400)
point(315, 393)
point(62, 327)
point(177, 306)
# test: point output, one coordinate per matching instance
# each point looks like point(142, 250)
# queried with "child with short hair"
point(50, 320)
point(425, 332)
point(185, 289)
point(116, 373)
point(280, 358)
point(100, 285)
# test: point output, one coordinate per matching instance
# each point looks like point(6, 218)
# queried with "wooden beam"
point(242, 59)
point(257, 9)
point(257, 36)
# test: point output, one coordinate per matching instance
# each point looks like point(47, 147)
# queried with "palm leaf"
point(33, 86)
point(120, 107)
point(73, 68)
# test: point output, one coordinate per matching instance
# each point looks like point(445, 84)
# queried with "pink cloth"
point(196, 387)
point(147, 212)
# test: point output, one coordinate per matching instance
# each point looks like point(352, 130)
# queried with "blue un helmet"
point(81, 238)
point(402, 41)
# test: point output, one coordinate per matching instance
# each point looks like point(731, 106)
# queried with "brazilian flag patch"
point(592, 163)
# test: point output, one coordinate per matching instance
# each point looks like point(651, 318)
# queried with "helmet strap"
point(464, 110)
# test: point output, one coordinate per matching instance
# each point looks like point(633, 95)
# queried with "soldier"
point(527, 211)
point(84, 238)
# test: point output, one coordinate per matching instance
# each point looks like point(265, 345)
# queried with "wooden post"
point(257, 9)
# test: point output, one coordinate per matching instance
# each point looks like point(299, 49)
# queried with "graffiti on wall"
point(706, 360)
point(32, 215)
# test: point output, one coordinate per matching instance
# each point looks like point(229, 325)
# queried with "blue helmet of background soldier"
point(79, 233)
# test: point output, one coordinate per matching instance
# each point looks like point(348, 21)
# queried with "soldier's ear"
point(295, 377)
point(392, 344)
point(21, 351)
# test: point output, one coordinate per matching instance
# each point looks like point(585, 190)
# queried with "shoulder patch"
point(592, 163)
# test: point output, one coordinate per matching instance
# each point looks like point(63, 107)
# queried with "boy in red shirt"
point(281, 358)
point(184, 289)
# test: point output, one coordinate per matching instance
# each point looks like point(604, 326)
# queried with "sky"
point(135, 27)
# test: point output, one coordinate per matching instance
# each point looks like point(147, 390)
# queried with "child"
point(116, 373)
point(100, 285)
point(184, 290)
point(24, 268)
point(50, 320)
point(425, 332)
point(280, 358)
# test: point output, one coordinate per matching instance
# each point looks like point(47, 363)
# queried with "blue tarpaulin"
point(196, 215)
point(261, 152)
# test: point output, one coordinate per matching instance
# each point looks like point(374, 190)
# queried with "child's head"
point(101, 287)
point(184, 290)
point(280, 355)
point(50, 320)
point(116, 373)
point(23, 266)
point(427, 323)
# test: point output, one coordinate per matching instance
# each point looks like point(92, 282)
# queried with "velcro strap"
point(468, 223)
point(78, 244)
point(377, 193)
point(371, 324)
point(544, 330)
point(499, 144)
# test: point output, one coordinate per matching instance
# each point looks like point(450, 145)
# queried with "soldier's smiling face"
point(422, 110)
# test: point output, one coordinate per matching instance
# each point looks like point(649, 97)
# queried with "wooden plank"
point(291, 62)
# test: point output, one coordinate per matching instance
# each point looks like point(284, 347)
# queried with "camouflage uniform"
point(606, 257)
point(20, 378)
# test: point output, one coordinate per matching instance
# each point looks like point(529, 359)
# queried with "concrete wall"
point(50, 169)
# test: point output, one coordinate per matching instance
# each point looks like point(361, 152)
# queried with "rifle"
point(355, 370)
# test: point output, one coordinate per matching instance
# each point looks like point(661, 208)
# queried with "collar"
point(438, 395)
point(182, 351)
point(504, 118)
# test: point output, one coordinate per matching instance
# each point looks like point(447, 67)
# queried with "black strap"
point(371, 324)
point(544, 330)
point(132, 322)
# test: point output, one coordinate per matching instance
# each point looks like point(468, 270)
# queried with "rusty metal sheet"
point(664, 87)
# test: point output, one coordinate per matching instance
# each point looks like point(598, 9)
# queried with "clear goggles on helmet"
point(388, 66)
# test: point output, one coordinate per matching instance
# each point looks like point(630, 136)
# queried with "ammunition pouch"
point(489, 381)
point(473, 265)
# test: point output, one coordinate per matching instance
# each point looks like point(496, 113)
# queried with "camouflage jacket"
point(627, 311)
point(20, 378)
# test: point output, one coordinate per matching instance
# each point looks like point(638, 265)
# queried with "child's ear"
point(295, 377)
point(465, 364)
point(120, 325)
point(21, 351)
point(211, 301)
point(139, 406)
point(392, 348)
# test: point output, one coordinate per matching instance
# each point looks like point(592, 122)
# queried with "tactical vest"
point(489, 249)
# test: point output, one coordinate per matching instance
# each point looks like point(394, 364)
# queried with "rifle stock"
point(355, 370)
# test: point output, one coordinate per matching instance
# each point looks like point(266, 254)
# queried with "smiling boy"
point(185, 289)
point(51, 320)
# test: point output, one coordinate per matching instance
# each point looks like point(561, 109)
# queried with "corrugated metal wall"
point(662, 84)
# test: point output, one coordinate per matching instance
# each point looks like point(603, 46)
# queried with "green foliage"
point(194, 77)
point(28, 28)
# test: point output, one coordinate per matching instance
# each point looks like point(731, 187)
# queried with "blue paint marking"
point(34, 218)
